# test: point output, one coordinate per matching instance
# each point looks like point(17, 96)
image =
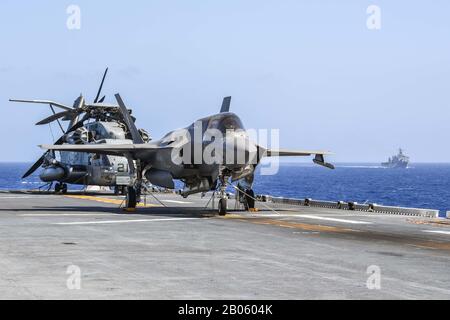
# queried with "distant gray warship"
point(397, 161)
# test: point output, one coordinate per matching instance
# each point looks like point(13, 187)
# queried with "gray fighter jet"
point(206, 156)
point(93, 123)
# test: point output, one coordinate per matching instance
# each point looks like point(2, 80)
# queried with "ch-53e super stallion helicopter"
point(205, 156)
point(88, 123)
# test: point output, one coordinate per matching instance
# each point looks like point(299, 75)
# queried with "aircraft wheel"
point(64, 188)
point(131, 199)
point(250, 197)
point(122, 190)
point(57, 187)
point(222, 207)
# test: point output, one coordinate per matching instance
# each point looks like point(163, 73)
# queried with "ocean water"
point(420, 186)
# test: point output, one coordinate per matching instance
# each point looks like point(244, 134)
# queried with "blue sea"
point(420, 186)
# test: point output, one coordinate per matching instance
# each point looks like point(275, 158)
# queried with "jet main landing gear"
point(249, 200)
point(246, 198)
point(223, 207)
point(132, 197)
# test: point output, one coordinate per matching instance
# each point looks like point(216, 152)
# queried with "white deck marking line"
point(437, 231)
point(270, 215)
point(333, 219)
point(307, 217)
point(66, 214)
point(123, 221)
point(176, 201)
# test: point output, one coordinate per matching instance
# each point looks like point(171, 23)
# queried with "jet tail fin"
point(226, 105)
point(320, 160)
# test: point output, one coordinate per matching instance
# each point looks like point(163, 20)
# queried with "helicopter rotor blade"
point(59, 122)
point(41, 160)
point(35, 166)
point(56, 116)
point(55, 104)
point(101, 86)
point(79, 124)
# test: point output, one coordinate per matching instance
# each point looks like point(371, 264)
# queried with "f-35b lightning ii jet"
point(207, 155)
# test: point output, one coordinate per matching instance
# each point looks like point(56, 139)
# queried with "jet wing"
point(293, 153)
point(102, 148)
point(319, 158)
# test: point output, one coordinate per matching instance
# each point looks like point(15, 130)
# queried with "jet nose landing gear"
point(223, 182)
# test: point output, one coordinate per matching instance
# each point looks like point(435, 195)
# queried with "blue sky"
point(310, 68)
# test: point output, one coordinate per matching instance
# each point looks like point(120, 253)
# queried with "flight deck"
point(176, 248)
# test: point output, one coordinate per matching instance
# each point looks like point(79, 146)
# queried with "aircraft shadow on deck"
point(178, 211)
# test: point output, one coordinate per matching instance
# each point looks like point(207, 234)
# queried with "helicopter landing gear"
point(119, 190)
point(61, 187)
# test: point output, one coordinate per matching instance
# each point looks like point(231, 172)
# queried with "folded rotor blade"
point(56, 116)
point(59, 122)
point(79, 124)
point(137, 139)
point(40, 161)
point(79, 102)
point(56, 104)
point(35, 166)
point(101, 87)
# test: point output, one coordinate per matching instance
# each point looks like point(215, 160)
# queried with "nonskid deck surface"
point(178, 249)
